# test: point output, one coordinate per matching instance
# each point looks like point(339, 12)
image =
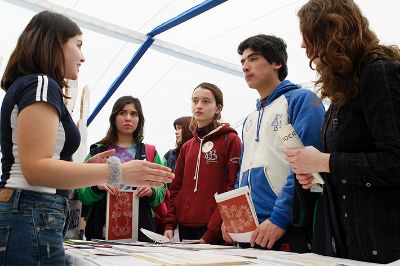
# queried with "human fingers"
point(116, 190)
point(305, 182)
point(308, 186)
point(158, 166)
point(225, 234)
point(305, 179)
point(275, 234)
point(102, 187)
point(264, 242)
point(148, 183)
point(261, 240)
point(108, 189)
point(270, 243)
point(291, 152)
point(142, 191)
point(148, 192)
point(253, 237)
point(156, 175)
point(101, 157)
point(139, 190)
point(106, 154)
point(157, 171)
point(169, 234)
point(142, 173)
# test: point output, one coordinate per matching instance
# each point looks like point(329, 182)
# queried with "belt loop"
point(67, 216)
point(16, 200)
point(67, 206)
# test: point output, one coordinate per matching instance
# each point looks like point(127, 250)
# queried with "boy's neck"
point(267, 90)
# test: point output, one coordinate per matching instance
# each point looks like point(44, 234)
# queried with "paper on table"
point(186, 257)
point(292, 141)
point(155, 237)
point(79, 242)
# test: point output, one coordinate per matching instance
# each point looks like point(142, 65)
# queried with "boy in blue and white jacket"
point(264, 168)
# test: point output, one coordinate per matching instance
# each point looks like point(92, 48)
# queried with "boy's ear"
point(277, 66)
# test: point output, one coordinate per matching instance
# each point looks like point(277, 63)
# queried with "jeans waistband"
point(34, 197)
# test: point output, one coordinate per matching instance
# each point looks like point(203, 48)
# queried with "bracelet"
point(114, 164)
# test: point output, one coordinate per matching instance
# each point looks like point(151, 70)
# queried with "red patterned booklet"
point(122, 216)
point(238, 213)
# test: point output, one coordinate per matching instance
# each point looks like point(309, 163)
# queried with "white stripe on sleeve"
point(45, 86)
point(39, 88)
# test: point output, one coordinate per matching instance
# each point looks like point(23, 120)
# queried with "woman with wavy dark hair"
point(358, 214)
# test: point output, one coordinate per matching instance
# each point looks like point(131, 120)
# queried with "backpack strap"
point(171, 157)
point(98, 148)
point(150, 152)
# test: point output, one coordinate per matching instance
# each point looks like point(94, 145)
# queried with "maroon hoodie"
point(198, 176)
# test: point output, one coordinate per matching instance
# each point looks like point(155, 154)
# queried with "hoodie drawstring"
point(196, 174)
point(260, 114)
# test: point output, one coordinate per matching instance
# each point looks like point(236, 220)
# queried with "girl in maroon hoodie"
point(207, 164)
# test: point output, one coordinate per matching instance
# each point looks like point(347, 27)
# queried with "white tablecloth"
point(191, 254)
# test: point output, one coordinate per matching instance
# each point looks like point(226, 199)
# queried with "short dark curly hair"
point(272, 48)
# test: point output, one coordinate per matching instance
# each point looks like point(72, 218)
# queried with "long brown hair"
point(112, 134)
point(219, 100)
point(184, 122)
point(39, 48)
point(338, 33)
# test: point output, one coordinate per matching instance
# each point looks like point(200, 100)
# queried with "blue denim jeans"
point(32, 226)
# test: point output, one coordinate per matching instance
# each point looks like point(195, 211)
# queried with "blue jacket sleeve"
point(306, 114)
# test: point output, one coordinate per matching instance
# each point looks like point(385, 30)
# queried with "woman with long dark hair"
point(125, 136)
point(38, 139)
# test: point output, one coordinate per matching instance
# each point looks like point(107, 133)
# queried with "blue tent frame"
point(188, 14)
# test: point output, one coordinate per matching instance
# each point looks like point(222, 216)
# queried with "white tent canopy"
point(200, 49)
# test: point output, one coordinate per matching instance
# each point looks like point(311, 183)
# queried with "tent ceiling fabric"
point(168, 72)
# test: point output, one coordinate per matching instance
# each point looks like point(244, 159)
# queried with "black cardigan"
point(359, 210)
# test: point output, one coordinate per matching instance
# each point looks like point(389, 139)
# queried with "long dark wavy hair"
point(184, 122)
point(337, 32)
point(39, 48)
point(112, 134)
point(219, 100)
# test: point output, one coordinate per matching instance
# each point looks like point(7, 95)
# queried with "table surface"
point(195, 254)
